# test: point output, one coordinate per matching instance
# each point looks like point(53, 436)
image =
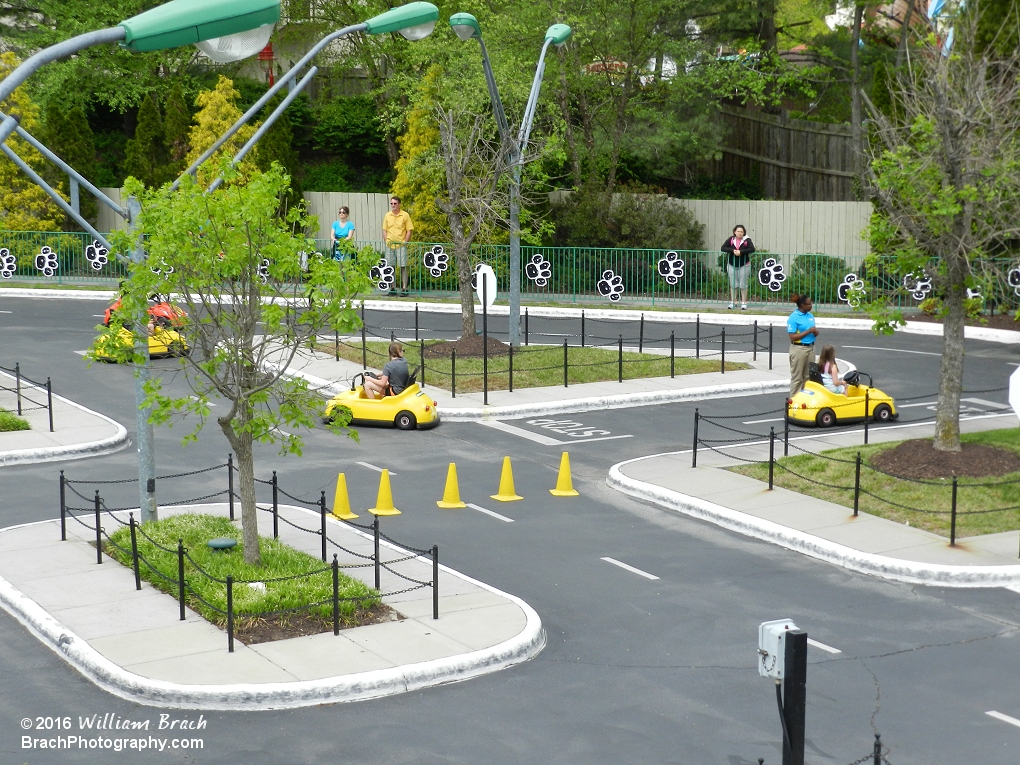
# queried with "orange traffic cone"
point(506, 484)
point(451, 495)
point(384, 500)
point(564, 486)
point(341, 502)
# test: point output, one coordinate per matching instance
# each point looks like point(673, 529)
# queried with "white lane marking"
point(633, 570)
point(4, 311)
point(893, 350)
point(982, 402)
point(373, 467)
point(81, 353)
point(824, 647)
point(208, 403)
point(1004, 718)
point(539, 437)
point(923, 403)
point(283, 433)
point(489, 512)
point(1014, 587)
point(756, 422)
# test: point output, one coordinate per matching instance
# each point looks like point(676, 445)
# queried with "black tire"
point(406, 421)
point(882, 413)
point(825, 418)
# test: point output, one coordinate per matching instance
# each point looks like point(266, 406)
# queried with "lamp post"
point(176, 23)
point(467, 27)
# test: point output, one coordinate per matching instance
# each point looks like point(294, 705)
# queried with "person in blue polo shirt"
point(803, 333)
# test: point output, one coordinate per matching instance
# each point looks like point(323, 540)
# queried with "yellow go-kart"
point(814, 405)
point(163, 342)
point(407, 410)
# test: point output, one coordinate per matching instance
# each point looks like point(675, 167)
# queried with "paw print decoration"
point(671, 267)
point(851, 291)
point(539, 270)
point(8, 263)
point(162, 269)
point(918, 285)
point(436, 261)
point(97, 255)
point(263, 271)
point(610, 285)
point(46, 261)
point(382, 274)
point(771, 275)
point(1012, 279)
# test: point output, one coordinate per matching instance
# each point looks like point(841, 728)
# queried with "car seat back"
point(814, 373)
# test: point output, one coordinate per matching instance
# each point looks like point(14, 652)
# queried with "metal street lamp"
point(466, 27)
point(179, 22)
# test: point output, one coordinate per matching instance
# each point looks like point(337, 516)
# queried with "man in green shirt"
point(397, 228)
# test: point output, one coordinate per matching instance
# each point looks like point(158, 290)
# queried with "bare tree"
point(944, 179)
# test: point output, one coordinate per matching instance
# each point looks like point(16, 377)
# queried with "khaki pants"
point(800, 357)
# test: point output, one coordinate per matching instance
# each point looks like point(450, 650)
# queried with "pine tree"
point(277, 145)
point(217, 112)
point(176, 126)
point(145, 156)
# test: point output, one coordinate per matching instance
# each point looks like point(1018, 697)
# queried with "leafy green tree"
point(235, 266)
point(217, 113)
point(277, 145)
point(67, 134)
point(176, 129)
point(145, 156)
point(945, 175)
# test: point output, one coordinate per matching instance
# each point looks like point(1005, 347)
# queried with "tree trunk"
point(901, 48)
point(947, 415)
point(241, 442)
point(462, 257)
point(856, 116)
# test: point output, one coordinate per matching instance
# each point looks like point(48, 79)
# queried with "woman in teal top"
point(342, 229)
point(803, 333)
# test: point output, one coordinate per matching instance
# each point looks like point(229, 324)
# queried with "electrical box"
point(772, 647)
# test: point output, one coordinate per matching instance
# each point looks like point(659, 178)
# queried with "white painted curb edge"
point(264, 696)
point(942, 575)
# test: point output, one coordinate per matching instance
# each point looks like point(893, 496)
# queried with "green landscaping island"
point(11, 422)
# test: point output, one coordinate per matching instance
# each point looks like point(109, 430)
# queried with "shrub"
point(588, 219)
point(10, 422)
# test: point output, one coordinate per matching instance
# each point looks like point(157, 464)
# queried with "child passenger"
point(831, 379)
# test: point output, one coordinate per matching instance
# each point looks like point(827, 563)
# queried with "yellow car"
point(162, 342)
point(407, 410)
point(814, 405)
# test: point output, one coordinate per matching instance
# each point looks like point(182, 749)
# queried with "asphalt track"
point(636, 669)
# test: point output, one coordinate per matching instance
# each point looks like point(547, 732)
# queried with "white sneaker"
point(731, 306)
point(743, 306)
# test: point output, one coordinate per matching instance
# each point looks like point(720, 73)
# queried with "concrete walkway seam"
point(942, 575)
point(265, 696)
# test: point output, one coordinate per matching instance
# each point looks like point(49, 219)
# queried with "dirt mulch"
point(918, 459)
point(289, 626)
point(466, 346)
point(998, 321)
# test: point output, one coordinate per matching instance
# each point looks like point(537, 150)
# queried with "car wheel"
point(825, 418)
point(406, 421)
point(883, 413)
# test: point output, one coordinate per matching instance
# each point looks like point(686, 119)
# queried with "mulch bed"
point(918, 459)
point(289, 626)
point(466, 346)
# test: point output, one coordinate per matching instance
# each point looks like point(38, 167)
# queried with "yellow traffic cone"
point(341, 502)
point(451, 495)
point(384, 500)
point(564, 486)
point(506, 484)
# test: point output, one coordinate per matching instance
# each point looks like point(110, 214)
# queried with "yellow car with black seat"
point(407, 410)
point(163, 342)
point(814, 405)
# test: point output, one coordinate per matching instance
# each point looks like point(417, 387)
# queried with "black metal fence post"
point(453, 373)
point(525, 326)
point(786, 435)
point(770, 347)
point(435, 581)
point(99, 531)
point(180, 575)
point(230, 483)
point(877, 752)
point(672, 354)
point(510, 348)
point(375, 557)
point(63, 508)
point(697, 336)
point(422, 351)
point(322, 527)
point(364, 340)
point(620, 361)
point(722, 352)
point(694, 452)
point(952, 518)
point(857, 483)
point(17, 385)
point(276, 507)
point(641, 334)
point(754, 342)
point(336, 584)
point(134, 551)
point(416, 322)
point(49, 401)
point(230, 613)
point(867, 414)
point(772, 455)
point(564, 362)
point(582, 328)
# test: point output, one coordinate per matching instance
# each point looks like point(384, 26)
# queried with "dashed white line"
point(1014, 587)
point(1004, 718)
point(373, 467)
point(824, 647)
point(892, 350)
point(921, 403)
point(633, 570)
point(489, 512)
point(755, 422)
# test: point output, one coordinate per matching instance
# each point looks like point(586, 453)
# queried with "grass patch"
point(10, 422)
point(833, 481)
point(534, 366)
point(278, 560)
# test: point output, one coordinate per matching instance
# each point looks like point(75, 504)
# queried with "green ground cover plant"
point(534, 366)
point(278, 560)
point(10, 422)
point(831, 478)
